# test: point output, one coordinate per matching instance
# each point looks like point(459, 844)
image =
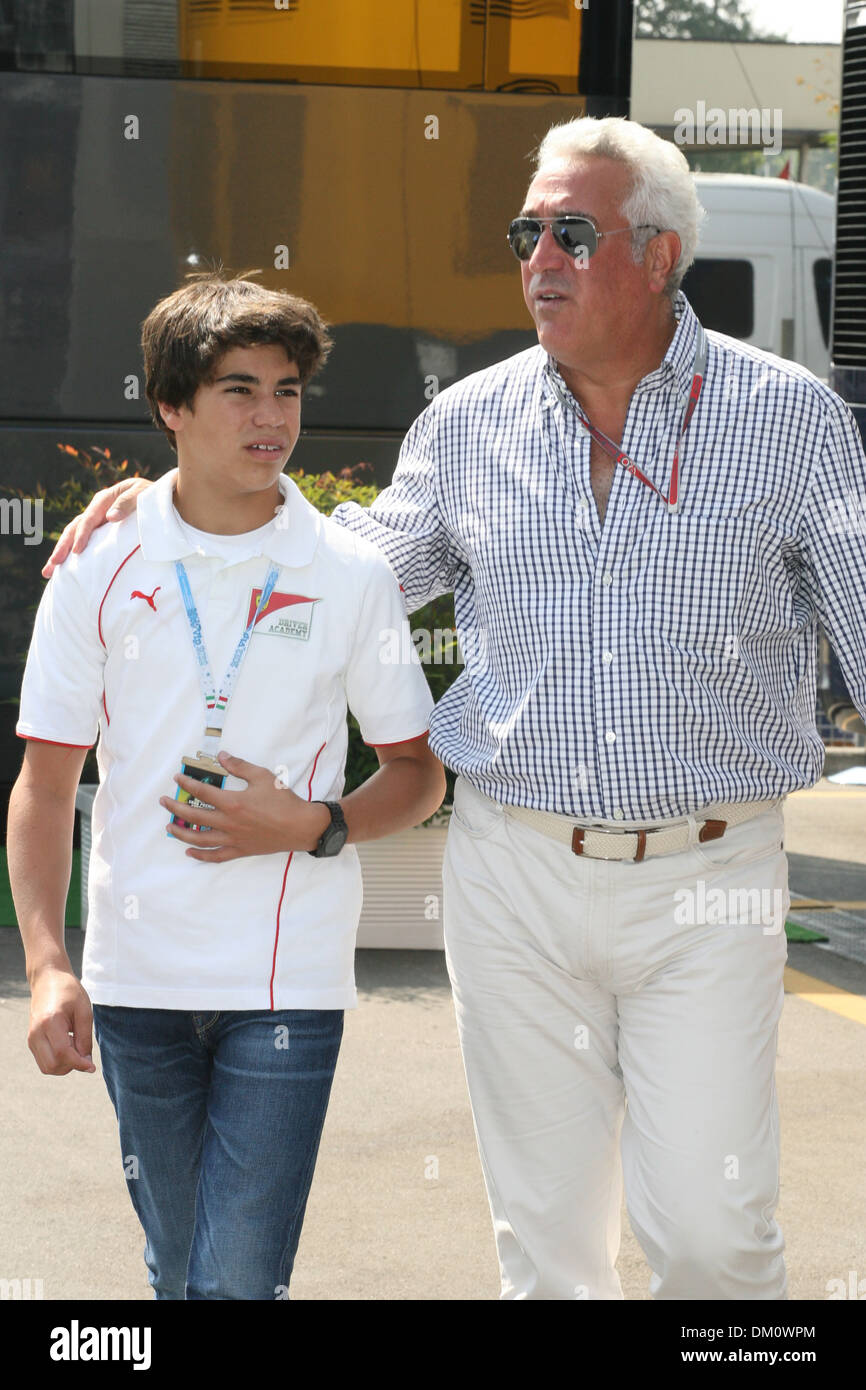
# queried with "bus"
point(366, 154)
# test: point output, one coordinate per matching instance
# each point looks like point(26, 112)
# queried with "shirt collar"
point(292, 539)
point(677, 365)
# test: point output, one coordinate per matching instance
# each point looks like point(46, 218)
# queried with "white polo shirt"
point(112, 653)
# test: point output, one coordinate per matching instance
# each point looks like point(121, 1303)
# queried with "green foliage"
point(91, 471)
point(698, 19)
point(326, 492)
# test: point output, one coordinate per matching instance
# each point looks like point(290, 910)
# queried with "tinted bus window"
point(548, 47)
point(37, 35)
point(722, 294)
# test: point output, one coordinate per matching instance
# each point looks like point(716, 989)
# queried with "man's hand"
point(111, 504)
point(61, 1023)
point(265, 818)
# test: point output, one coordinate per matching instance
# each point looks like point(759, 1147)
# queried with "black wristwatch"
point(334, 835)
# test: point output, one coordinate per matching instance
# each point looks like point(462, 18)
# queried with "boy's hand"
point(265, 818)
point(111, 504)
point(269, 818)
point(61, 1023)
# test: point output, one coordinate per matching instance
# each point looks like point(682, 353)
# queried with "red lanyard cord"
point(613, 451)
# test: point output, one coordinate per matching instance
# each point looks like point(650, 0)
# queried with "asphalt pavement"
point(397, 1209)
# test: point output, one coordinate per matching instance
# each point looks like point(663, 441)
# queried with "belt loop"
point(641, 846)
point(693, 831)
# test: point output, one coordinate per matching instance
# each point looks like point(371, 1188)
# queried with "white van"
point(764, 266)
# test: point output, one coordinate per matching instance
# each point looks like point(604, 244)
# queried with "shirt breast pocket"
point(710, 582)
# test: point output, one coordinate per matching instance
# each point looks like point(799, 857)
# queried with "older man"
point(634, 519)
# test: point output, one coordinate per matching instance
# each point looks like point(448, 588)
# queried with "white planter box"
point(403, 890)
point(402, 883)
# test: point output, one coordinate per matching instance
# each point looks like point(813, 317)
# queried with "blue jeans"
point(220, 1116)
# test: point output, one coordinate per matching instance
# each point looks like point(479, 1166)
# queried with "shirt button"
point(607, 658)
point(610, 736)
point(583, 503)
point(619, 813)
point(607, 579)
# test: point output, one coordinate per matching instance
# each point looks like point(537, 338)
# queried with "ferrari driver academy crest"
point(284, 615)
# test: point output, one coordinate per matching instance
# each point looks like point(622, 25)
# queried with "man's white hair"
point(662, 190)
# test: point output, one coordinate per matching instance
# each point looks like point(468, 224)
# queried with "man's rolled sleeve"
point(386, 688)
point(63, 679)
point(405, 521)
point(833, 544)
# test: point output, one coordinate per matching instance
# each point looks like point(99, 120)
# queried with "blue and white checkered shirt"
point(662, 662)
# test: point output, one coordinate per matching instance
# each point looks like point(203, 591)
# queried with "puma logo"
point(148, 598)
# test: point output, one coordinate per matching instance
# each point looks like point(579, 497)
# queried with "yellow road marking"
point(838, 1001)
point(820, 902)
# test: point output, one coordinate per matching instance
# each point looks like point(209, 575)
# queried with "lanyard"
point(217, 704)
point(699, 368)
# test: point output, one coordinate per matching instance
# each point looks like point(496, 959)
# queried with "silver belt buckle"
point(577, 838)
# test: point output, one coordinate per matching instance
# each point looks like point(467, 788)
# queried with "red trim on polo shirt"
point(99, 616)
point(105, 596)
point(277, 933)
point(413, 739)
point(285, 876)
point(55, 742)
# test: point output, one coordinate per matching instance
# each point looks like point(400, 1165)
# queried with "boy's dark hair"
point(185, 334)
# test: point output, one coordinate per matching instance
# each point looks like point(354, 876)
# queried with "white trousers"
point(619, 1020)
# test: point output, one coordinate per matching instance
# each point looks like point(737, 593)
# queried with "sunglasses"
point(573, 234)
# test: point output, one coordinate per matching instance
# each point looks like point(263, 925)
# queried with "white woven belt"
point(596, 843)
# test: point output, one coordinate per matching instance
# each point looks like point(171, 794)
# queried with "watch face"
point(333, 840)
point(336, 834)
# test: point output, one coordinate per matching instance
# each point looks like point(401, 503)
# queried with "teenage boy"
point(230, 615)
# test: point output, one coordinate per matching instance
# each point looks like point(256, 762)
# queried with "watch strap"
point(335, 833)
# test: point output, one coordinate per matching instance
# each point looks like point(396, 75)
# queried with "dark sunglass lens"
point(523, 235)
point(574, 234)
